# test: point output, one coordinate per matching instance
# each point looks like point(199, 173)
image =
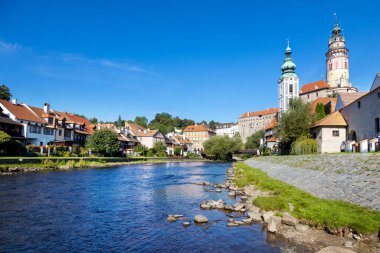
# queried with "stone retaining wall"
point(353, 178)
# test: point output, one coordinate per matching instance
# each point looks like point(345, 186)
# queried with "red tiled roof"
point(259, 113)
point(272, 124)
point(134, 128)
point(197, 128)
point(21, 112)
point(310, 87)
point(334, 119)
point(324, 101)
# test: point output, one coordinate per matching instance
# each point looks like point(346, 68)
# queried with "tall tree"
point(253, 141)
point(94, 120)
point(294, 123)
point(222, 147)
point(320, 111)
point(5, 92)
point(119, 121)
point(141, 121)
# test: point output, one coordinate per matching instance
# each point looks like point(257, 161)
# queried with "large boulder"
point(288, 219)
point(256, 216)
point(200, 219)
point(267, 215)
point(239, 206)
point(273, 224)
point(249, 190)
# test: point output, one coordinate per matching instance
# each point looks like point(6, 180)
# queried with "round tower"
point(337, 66)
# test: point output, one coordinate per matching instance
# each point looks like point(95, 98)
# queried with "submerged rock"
point(200, 218)
point(186, 224)
point(232, 224)
point(171, 218)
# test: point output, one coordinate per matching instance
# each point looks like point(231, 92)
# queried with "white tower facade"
point(337, 66)
point(288, 84)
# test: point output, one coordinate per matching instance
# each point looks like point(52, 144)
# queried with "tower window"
point(359, 104)
point(330, 66)
point(346, 65)
point(291, 89)
point(377, 125)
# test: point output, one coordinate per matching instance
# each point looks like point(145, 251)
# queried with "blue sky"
point(197, 59)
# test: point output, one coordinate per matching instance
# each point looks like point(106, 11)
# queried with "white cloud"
point(8, 47)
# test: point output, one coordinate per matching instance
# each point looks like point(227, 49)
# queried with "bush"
point(178, 151)
point(141, 150)
point(104, 142)
point(149, 153)
point(159, 149)
point(304, 146)
point(222, 147)
point(10, 147)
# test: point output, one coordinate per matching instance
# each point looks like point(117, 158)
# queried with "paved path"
point(340, 178)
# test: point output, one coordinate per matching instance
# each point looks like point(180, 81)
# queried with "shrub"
point(70, 163)
point(222, 147)
point(149, 153)
point(304, 146)
point(178, 151)
point(10, 147)
point(141, 150)
point(104, 142)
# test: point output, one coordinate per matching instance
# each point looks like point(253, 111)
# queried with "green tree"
point(94, 120)
point(222, 147)
point(104, 142)
point(294, 123)
point(10, 147)
point(212, 124)
point(159, 149)
point(253, 141)
point(119, 121)
point(187, 122)
point(178, 151)
point(5, 92)
point(320, 112)
point(163, 122)
point(141, 121)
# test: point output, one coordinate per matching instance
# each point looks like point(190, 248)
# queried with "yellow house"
point(198, 134)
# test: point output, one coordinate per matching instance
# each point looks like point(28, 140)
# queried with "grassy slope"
point(333, 214)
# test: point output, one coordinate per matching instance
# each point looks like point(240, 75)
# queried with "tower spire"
point(336, 19)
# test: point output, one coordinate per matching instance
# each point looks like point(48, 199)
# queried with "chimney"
point(14, 101)
point(46, 107)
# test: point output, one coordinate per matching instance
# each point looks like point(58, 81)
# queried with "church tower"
point(337, 67)
point(288, 83)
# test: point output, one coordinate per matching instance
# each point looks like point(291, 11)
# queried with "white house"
point(228, 129)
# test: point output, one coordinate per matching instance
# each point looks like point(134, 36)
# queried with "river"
point(120, 209)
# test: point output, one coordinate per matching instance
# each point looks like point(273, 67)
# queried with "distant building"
point(227, 129)
point(288, 83)
point(126, 139)
point(251, 122)
point(312, 91)
point(270, 139)
point(147, 137)
point(198, 134)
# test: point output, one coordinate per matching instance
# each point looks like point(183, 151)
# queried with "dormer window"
point(50, 120)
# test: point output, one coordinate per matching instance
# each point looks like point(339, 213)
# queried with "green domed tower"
point(288, 83)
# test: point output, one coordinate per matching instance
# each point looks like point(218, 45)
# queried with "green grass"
point(322, 213)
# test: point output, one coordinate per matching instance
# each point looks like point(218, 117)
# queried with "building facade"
point(198, 134)
point(251, 122)
point(288, 82)
point(227, 129)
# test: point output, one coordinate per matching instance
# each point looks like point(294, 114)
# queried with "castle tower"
point(337, 67)
point(288, 82)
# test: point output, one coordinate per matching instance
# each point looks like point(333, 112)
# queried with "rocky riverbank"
point(281, 226)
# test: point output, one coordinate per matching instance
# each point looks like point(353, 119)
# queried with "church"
point(337, 76)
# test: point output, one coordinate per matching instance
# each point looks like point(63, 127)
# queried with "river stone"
point(228, 208)
point(288, 219)
point(249, 190)
point(273, 223)
point(244, 198)
point(334, 249)
point(200, 218)
point(253, 209)
point(231, 220)
point(232, 194)
point(232, 224)
point(218, 190)
point(256, 216)
point(206, 183)
point(205, 206)
point(247, 220)
point(171, 218)
point(239, 206)
point(302, 227)
point(267, 215)
point(239, 222)
point(186, 224)
point(178, 215)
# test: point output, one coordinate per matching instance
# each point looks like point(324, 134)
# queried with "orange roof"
point(310, 87)
point(272, 139)
point(272, 124)
point(334, 119)
point(324, 101)
point(197, 128)
point(134, 128)
point(259, 113)
point(21, 112)
point(348, 98)
point(147, 133)
point(182, 140)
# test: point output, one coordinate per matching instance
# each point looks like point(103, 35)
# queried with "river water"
point(120, 209)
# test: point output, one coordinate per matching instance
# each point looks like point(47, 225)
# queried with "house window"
point(359, 104)
point(335, 133)
point(48, 131)
point(35, 129)
point(316, 94)
point(377, 124)
point(60, 132)
point(50, 120)
point(378, 95)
